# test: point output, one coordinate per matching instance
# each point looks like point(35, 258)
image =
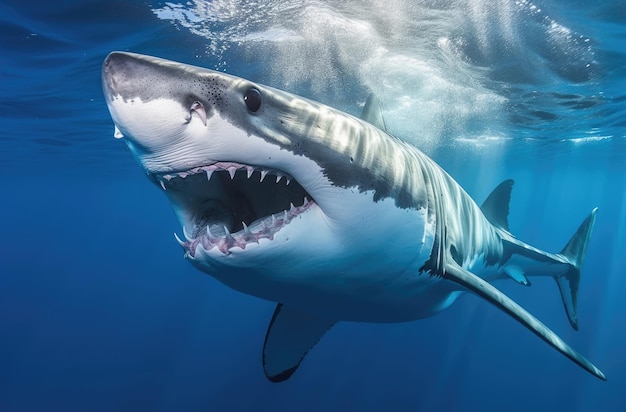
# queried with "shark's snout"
point(111, 69)
point(129, 75)
point(119, 72)
point(152, 108)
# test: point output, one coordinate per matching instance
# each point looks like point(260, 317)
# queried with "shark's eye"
point(252, 98)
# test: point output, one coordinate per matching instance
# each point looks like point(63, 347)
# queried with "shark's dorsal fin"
point(290, 335)
point(372, 113)
point(485, 290)
point(496, 206)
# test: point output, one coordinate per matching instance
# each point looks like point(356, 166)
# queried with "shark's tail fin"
point(568, 282)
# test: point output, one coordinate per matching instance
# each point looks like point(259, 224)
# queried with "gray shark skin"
point(324, 213)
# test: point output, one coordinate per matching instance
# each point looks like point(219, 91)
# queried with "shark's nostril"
point(198, 109)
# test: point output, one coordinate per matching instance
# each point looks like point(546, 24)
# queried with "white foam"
point(588, 139)
point(483, 141)
point(430, 63)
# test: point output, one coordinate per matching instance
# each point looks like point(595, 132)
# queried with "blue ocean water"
point(98, 310)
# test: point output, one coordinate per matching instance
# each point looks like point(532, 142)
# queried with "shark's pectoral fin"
point(475, 284)
point(290, 335)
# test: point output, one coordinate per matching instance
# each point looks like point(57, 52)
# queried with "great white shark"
point(324, 213)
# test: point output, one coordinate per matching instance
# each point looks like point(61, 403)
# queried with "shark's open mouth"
point(226, 204)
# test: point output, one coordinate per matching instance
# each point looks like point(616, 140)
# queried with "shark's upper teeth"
point(219, 236)
point(230, 167)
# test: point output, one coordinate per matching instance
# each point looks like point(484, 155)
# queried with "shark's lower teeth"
point(219, 237)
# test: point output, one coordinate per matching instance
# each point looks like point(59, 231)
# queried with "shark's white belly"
point(365, 269)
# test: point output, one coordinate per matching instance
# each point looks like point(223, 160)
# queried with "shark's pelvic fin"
point(517, 274)
point(290, 335)
point(496, 206)
point(475, 284)
point(575, 251)
point(372, 113)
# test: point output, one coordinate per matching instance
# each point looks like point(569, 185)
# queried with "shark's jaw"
point(229, 188)
point(226, 205)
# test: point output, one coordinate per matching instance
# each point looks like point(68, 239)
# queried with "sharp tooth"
point(278, 177)
point(274, 222)
point(206, 242)
point(232, 171)
point(285, 217)
point(292, 208)
point(306, 200)
point(187, 235)
point(263, 174)
point(288, 180)
point(209, 235)
point(117, 134)
point(209, 173)
point(162, 184)
point(245, 228)
point(228, 236)
point(180, 242)
point(250, 171)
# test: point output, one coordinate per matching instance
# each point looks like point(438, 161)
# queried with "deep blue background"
point(98, 310)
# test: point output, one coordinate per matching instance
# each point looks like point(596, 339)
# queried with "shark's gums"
point(323, 213)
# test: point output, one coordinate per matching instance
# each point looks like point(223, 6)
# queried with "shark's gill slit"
point(228, 204)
